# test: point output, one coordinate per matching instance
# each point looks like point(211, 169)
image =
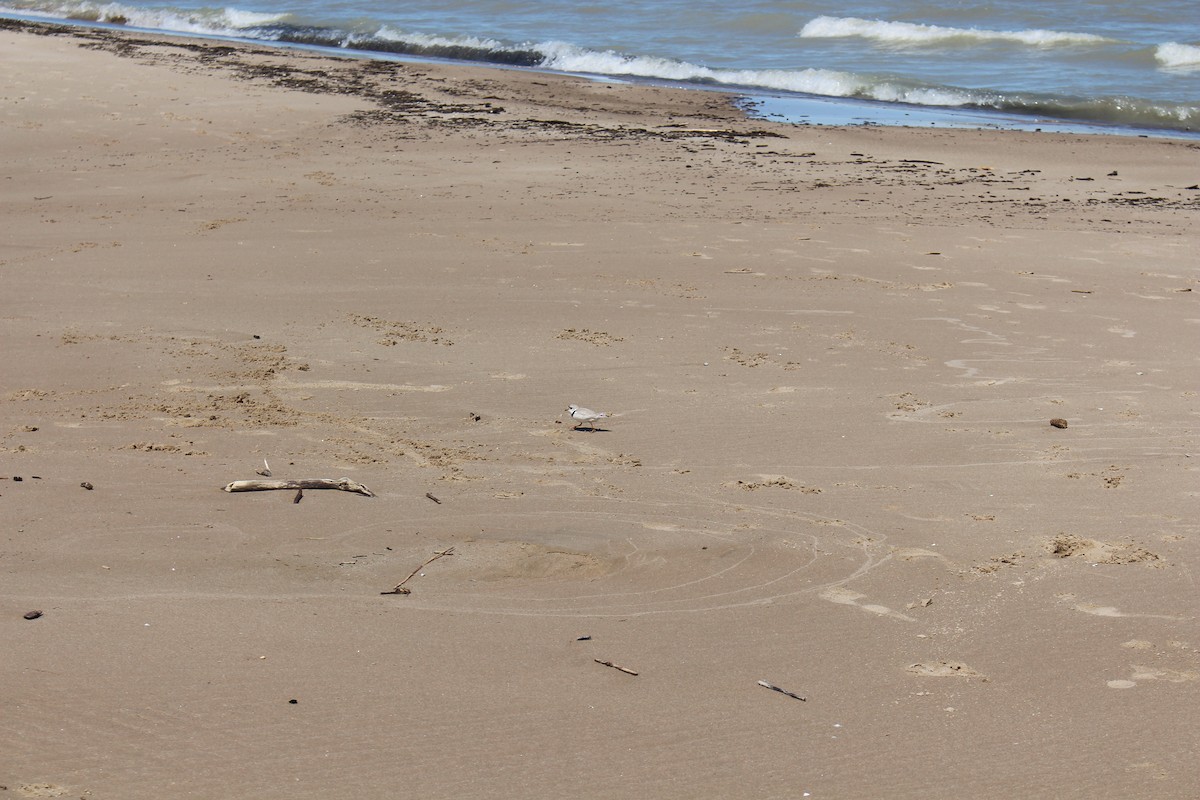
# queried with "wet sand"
point(831, 356)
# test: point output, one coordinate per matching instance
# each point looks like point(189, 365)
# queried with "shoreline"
point(758, 103)
point(838, 361)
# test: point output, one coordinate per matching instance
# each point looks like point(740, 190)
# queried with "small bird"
point(582, 415)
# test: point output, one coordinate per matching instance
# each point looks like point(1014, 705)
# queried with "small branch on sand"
point(345, 484)
point(299, 496)
point(615, 666)
point(434, 499)
point(775, 688)
point(400, 587)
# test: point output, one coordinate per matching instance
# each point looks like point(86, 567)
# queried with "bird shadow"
point(592, 430)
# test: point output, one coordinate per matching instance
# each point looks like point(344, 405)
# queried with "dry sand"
point(832, 354)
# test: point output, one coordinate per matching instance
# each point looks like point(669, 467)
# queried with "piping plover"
point(582, 415)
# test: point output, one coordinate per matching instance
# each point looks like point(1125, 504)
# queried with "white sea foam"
point(828, 83)
point(218, 21)
point(389, 34)
point(904, 34)
point(1178, 56)
point(238, 18)
point(569, 58)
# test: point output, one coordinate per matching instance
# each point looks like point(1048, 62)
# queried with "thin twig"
point(615, 666)
point(775, 688)
point(400, 588)
point(299, 496)
point(434, 499)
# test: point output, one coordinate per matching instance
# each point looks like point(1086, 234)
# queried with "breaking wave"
point(903, 34)
point(1178, 56)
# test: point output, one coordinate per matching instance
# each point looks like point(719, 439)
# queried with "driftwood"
point(775, 688)
point(345, 484)
point(402, 589)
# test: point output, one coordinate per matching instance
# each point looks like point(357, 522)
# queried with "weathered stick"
point(299, 496)
point(775, 688)
point(400, 588)
point(345, 484)
point(615, 666)
point(434, 499)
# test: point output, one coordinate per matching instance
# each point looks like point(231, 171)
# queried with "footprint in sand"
point(41, 790)
point(1068, 545)
point(945, 669)
point(1137, 644)
point(847, 597)
point(1141, 673)
point(1113, 611)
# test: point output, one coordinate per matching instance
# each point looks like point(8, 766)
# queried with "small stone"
point(293, 701)
point(87, 486)
point(1058, 422)
point(32, 614)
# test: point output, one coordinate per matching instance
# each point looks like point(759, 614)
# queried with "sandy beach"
point(831, 358)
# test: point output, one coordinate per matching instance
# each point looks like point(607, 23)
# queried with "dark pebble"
point(1058, 423)
point(18, 478)
point(87, 486)
point(293, 701)
point(32, 614)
